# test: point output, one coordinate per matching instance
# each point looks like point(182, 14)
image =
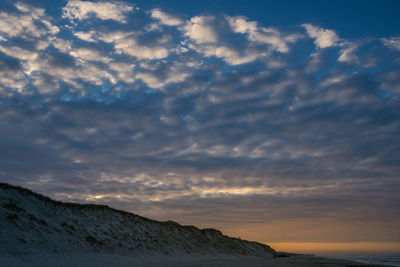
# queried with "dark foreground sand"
point(293, 261)
point(156, 261)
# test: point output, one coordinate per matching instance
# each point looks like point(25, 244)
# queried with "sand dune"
point(38, 231)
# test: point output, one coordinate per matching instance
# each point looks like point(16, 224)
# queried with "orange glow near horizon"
point(337, 248)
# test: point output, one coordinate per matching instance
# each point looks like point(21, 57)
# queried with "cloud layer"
point(211, 120)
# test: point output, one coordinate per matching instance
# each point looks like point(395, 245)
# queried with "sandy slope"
point(38, 231)
point(34, 224)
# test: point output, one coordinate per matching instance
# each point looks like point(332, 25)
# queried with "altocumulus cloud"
point(209, 120)
point(81, 10)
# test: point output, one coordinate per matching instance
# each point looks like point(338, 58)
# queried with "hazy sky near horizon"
point(272, 120)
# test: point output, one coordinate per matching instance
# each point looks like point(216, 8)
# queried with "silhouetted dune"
point(34, 223)
point(38, 231)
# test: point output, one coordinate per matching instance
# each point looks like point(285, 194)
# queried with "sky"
point(272, 121)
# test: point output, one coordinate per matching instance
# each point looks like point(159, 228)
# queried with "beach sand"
point(112, 260)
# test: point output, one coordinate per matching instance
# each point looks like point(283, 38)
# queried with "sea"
point(378, 253)
point(393, 260)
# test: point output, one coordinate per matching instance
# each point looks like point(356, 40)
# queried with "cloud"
point(234, 57)
point(88, 54)
point(213, 116)
point(393, 42)
point(30, 22)
point(86, 36)
point(241, 25)
point(347, 53)
point(162, 73)
point(19, 53)
point(11, 75)
point(213, 37)
point(323, 37)
point(199, 29)
point(165, 18)
point(81, 10)
point(390, 81)
point(62, 45)
point(262, 35)
point(123, 71)
point(128, 43)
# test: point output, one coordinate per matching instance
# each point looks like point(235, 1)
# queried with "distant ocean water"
point(379, 253)
point(381, 260)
